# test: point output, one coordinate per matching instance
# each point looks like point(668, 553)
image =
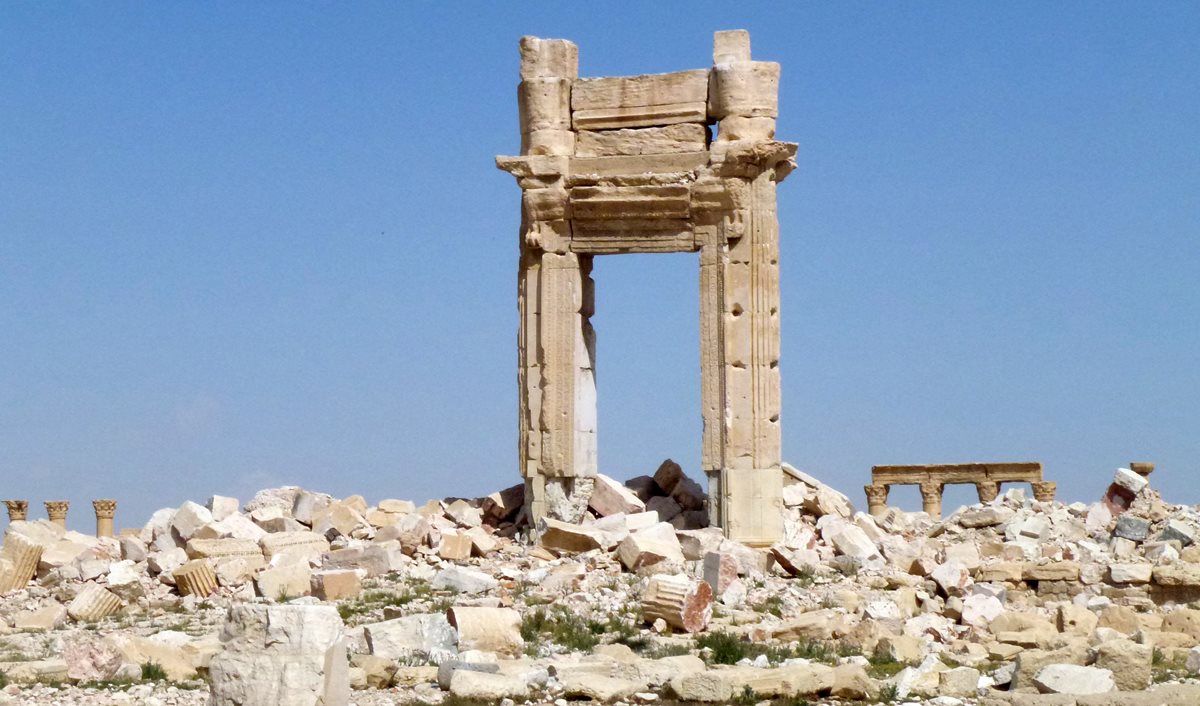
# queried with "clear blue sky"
point(244, 245)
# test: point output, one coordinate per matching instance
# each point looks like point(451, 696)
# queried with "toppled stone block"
point(293, 546)
point(1074, 679)
point(19, 560)
point(684, 603)
point(1132, 528)
point(464, 514)
point(651, 547)
point(488, 629)
point(1180, 574)
point(1130, 573)
point(487, 688)
point(1178, 531)
point(464, 580)
point(93, 602)
point(1129, 662)
point(281, 654)
point(285, 581)
point(189, 518)
point(426, 636)
point(455, 546)
point(569, 538)
point(335, 584)
point(610, 498)
point(195, 578)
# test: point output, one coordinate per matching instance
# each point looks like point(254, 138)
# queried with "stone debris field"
point(300, 598)
point(768, 588)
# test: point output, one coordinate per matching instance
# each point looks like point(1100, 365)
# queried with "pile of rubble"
point(301, 598)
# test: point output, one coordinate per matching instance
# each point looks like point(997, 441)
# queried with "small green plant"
point(723, 647)
point(283, 596)
point(747, 697)
point(805, 575)
point(772, 605)
point(3, 679)
point(560, 626)
point(153, 671)
point(889, 693)
point(882, 667)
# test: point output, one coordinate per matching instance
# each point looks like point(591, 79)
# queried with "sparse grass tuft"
point(772, 605)
point(559, 625)
point(153, 671)
point(888, 693)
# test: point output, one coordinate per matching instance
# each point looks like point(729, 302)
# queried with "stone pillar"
point(18, 561)
point(931, 498)
point(877, 496)
point(988, 490)
point(1043, 491)
point(1142, 468)
point(56, 510)
point(17, 510)
point(743, 98)
point(105, 510)
point(556, 343)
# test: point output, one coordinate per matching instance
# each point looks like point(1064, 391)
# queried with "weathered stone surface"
point(569, 538)
point(464, 580)
point(610, 498)
point(651, 547)
point(285, 581)
point(487, 688)
point(195, 578)
point(297, 546)
point(189, 518)
point(280, 654)
point(426, 635)
point(489, 629)
point(1129, 662)
point(93, 602)
point(684, 603)
point(335, 584)
point(1073, 679)
point(1181, 574)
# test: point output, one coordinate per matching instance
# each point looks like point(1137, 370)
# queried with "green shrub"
point(152, 671)
point(724, 648)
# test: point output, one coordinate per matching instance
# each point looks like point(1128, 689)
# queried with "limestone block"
point(375, 560)
point(222, 548)
point(335, 584)
point(463, 580)
point(188, 518)
point(343, 516)
point(125, 580)
point(1057, 571)
point(684, 137)
point(731, 45)
point(221, 507)
point(1180, 574)
point(667, 508)
point(288, 580)
point(684, 603)
point(1130, 573)
point(133, 549)
point(503, 505)
point(610, 498)
point(426, 635)
point(1075, 619)
point(482, 541)
point(483, 687)
point(1129, 662)
point(489, 629)
point(599, 688)
point(280, 654)
point(93, 602)
point(634, 92)
point(1074, 679)
point(19, 560)
point(703, 687)
point(464, 514)
point(720, 570)
point(455, 546)
point(413, 532)
point(548, 57)
point(651, 547)
point(195, 578)
point(48, 617)
point(744, 88)
point(569, 538)
point(302, 545)
point(851, 682)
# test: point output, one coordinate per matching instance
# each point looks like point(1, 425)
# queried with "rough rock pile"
point(301, 598)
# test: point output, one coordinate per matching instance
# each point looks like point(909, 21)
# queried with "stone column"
point(988, 490)
point(743, 97)
point(931, 498)
point(1142, 468)
point(1043, 491)
point(877, 496)
point(17, 510)
point(556, 369)
point(56, 510)
point(105, 510)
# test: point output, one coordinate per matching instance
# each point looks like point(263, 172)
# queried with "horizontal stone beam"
point(1022, 472)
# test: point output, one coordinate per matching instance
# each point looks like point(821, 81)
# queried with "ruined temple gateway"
point(631, 165)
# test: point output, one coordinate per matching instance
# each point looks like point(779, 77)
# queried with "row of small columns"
point(931, 495)
point(56, 510)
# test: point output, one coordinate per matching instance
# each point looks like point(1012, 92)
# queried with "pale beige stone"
point(684, 603)
point(489, 629)
point(93, 602)
point(195, 578)
point(336, 584)
point(19, 559)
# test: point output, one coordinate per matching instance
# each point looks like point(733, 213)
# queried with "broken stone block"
point(1074, 679)
point(223, 548)
point(720, 570)
point(280, 654)
point(1129, 662)
point(1075, 619)
point(464, 514)
point(668, 476)
point(952, 577)
point(960, 681)
point(165, 562)
point(195, 578)
point(293, 546)
point(220, 507)
point(482, 541)
point(666, 507)
point(188, 518)
point(48, 617)
point(285, 581)
point(464, 580)
point(989, 516)
point(684, 603)
point(335, 584)
point(504, 505)
point(1176, 530)
point(610, 498)
point(93, 602)
point(1130, 573)
point(569, 538)
point(425, 636)
point(489, 629)
point(650, 547)
point(455, 546)
point(19, 559)
point(1132, 528)
point(482, 687)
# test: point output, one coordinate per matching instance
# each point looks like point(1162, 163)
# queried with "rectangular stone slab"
point(1023, 472)
point(639, 91)
point(640, 116)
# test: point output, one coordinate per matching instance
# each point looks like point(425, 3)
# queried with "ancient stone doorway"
point(629, 165)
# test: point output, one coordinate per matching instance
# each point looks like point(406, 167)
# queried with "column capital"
point(17, 510)
point(1044, 491)
point(105, 508)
